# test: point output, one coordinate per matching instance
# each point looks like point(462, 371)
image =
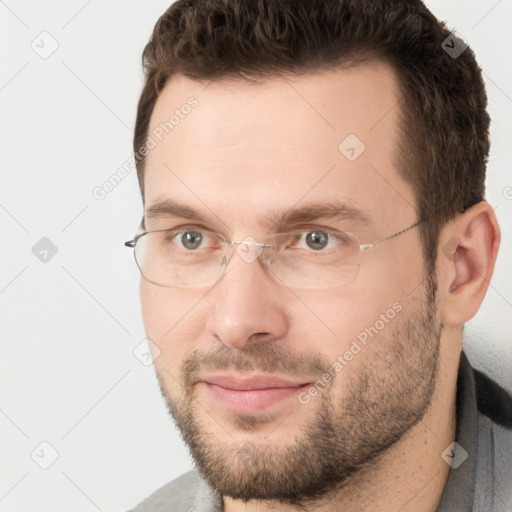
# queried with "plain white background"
point(69, 325)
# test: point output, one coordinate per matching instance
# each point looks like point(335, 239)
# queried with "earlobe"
point(467, 255)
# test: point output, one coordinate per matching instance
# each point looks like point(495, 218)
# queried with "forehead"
point(238, 149)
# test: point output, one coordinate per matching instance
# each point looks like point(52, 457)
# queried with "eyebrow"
point(171, 208)
point(332, 210)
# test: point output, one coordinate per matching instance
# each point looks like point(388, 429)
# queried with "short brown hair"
point(445, 126)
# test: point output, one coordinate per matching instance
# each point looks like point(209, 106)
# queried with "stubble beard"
point(388, 396)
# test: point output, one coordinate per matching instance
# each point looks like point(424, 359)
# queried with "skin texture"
point(372, 440)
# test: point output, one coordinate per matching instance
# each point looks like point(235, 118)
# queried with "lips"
point(252, 383)
point(251, 394)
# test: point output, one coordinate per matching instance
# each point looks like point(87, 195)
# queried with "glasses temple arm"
point(394, 235)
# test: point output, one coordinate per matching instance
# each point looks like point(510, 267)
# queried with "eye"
point(189, 240)
point(318, 240)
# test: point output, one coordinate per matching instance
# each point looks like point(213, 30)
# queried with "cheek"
point(153, 305)
point(171, 322)
point(340, 313)
point(349, 321)
point(390, 273)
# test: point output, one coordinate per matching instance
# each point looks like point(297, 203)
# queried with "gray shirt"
point(482, 482)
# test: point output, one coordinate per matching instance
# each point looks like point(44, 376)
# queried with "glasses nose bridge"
point(249, 242)
point(230, 250)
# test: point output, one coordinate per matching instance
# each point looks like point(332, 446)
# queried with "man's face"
point(239, 362)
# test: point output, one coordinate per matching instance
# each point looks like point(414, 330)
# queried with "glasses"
point(197, 258)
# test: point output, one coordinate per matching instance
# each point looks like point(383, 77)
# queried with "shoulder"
point(179, 495)
point(492, 400)
point(493, 486)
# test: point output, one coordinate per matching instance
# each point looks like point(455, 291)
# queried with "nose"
point(248, 305)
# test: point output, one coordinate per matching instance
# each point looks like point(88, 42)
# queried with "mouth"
point(251, 394)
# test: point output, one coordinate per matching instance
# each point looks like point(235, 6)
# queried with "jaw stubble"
point(389, 394)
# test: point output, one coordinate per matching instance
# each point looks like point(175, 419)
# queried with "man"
point(314, 237)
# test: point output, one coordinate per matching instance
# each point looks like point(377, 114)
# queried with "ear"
point(467, 252)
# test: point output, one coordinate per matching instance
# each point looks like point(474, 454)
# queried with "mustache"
point(263, 357)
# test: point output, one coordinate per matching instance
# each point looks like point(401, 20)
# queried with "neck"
point(409, 477)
